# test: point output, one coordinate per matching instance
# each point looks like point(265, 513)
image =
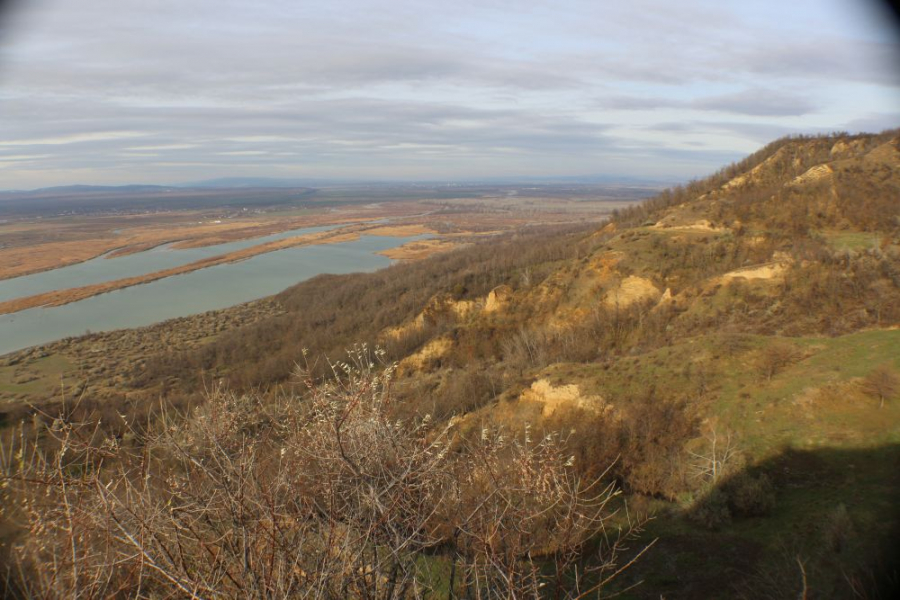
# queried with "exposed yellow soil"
point(413, 326)
point(443, 308)
point(817, 173)
point(419, 249)
point(564, 396)
point(757, 172)
point(498, 299)
point(436, 348)
point(767, 271)
point(632, 289)
point(666, 298)
point(701, 225)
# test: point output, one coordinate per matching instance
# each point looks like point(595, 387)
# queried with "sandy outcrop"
point(498, 298)
point(701, 225)
point(632, 289)
point(813, 175)
point(665, 299)
point(440, 309)
point(436, 348)
point(443, 307)
point(554, 398)
point(774, 270)
point(843, 149)
point(756, 173)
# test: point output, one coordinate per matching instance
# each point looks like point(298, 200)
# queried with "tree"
point(882, 383)
point(774, 358)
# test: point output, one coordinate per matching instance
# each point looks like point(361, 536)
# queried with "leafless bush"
point(776, 357)
point(320, 495)
point(527, 348)
point(882, 383)
point(719, 456)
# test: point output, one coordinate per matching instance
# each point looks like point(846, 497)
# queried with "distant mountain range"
point(286, 183)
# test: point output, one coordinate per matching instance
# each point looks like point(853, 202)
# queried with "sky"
point(173, 91)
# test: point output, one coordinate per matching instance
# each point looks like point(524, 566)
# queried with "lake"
point(101, 269)
point(191, 293)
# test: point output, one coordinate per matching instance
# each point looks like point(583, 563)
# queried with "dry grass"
point(322, 495)
point(419, 250)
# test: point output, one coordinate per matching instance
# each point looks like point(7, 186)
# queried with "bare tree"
point(775, 358)
point(881, 383)
point(720, 456)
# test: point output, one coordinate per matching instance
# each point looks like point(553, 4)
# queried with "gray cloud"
point(758, 133)
point(755, 102)
point(115, 89)
point(758, 102)
point(872, 123)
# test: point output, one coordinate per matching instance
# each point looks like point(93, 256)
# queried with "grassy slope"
point(832, 453)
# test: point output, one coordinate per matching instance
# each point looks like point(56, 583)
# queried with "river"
point(191, 293)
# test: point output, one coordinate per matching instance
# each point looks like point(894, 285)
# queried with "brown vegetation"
point(324, 495)
point(420, 250)
point(673, 388)
point(882, 383)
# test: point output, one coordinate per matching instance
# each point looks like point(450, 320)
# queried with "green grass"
point(752, 554)
point(766, 415)
point(47, 373)
point(851, 240)
point(822, 451)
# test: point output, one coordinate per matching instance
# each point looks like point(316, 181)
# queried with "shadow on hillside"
point(835, 517)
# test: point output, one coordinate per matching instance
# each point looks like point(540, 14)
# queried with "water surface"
point(101, 269)
point(195, 292)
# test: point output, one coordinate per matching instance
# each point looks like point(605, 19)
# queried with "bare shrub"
point(322, 494)
point(463, 390)
point(882, 383)
point(719, 456)
point(751, 496)
point(525, 349)
point(654, 436)
point(711, 511)
point(776, 357)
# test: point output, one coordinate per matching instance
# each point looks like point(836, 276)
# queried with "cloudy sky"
point(169, 91)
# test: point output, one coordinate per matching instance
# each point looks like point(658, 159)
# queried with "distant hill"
point(239, 182)
point(75, 189)
point(254, 182)
point(87, 199)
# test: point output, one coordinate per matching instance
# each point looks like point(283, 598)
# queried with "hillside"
point(727, 354)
